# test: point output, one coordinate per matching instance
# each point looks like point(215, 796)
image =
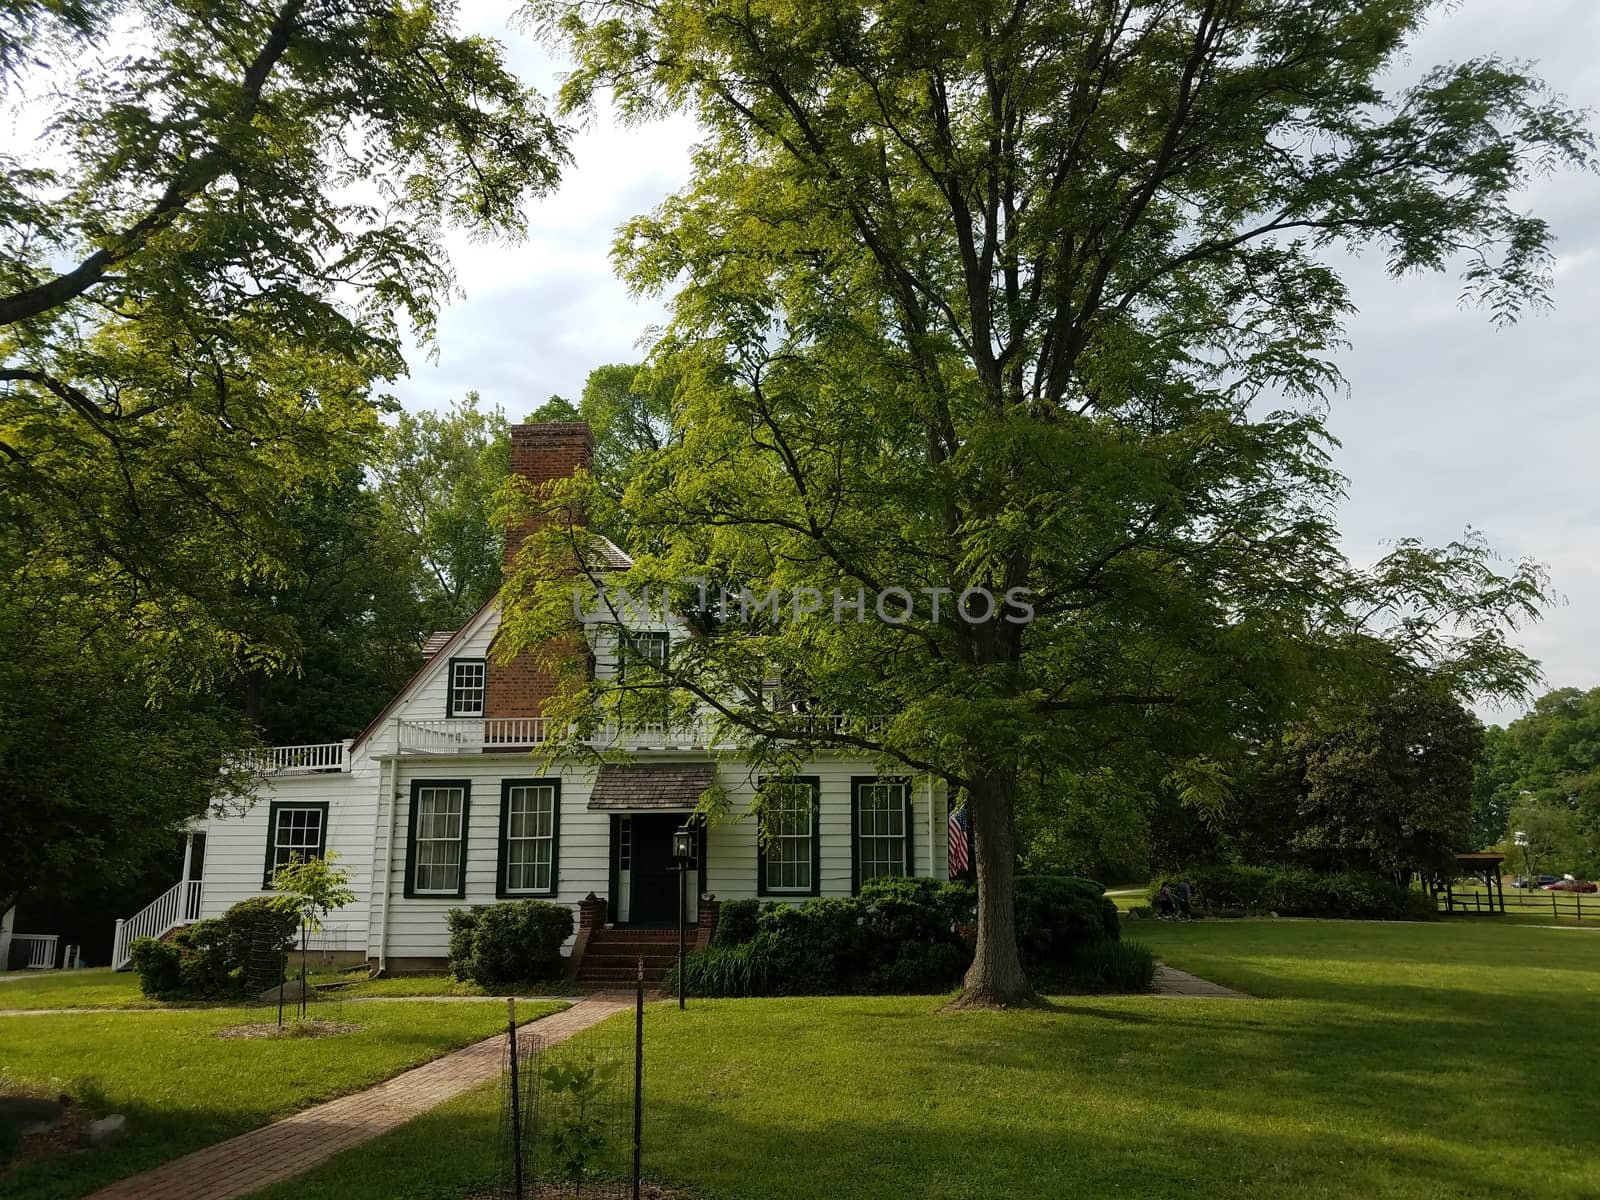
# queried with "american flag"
point(960, 832)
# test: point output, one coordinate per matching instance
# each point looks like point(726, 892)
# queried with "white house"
point(441, 803)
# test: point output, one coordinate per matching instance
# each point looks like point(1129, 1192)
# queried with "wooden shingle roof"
point(633, 786)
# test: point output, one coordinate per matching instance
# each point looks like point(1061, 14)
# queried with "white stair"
point(178, 905)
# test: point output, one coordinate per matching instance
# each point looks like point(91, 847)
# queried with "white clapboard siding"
point(731, 845)
point(417, 924)
point(236, 846)
point(429, 694)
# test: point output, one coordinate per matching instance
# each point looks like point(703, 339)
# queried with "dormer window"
point(643, 648)
point(466, 687)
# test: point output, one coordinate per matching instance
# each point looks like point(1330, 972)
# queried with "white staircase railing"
point(178, 905)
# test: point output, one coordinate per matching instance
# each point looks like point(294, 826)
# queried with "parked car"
point(1521, 881)
point(1570, 885)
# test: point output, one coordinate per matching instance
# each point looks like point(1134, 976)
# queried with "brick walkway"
point(1169, 981)
point(285, 1148)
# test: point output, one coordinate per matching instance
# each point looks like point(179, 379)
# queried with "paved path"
point(1169, 981)
point(285, 1148)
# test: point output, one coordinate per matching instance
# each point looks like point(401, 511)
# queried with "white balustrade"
point(302, 760)
point(461, 735)
point(178, 905)
point(41, 949)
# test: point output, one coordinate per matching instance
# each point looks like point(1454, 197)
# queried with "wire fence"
point(279, 985)
point(571, 1114)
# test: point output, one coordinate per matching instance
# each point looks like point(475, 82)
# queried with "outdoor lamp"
point(683, 844)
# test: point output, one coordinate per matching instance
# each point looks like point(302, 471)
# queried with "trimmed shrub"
point(159, 966)
point(1057, 915)
point(211, 960)
point(517, 942)
point(736, 922)
point(819, 947)
point(923, 909)
point(899, 935)
point(1298, 892)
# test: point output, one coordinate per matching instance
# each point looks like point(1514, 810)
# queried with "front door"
point(651, 876)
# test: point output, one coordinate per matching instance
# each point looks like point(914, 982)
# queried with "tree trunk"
point(995, 979)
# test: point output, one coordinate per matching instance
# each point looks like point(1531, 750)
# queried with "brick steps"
point(612, 956)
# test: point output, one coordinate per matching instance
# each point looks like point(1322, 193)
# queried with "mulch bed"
point(289, 1029)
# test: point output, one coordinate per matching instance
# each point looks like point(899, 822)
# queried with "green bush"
point(725, 970)
point(518, 942)
point(212, 960)
point(1298, 892)
point(736, 922)
point(1103, 967)
point(819, 947)
point(923, 909)
point(898, 935)
point(1057, 914)
point(159, 966)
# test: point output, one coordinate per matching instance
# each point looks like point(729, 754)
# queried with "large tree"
point(228, 223)
point(1388, 788)
point(438, 478)
point(1041, 295)
point(1550, 756)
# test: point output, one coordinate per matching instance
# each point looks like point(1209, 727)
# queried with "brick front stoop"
point(295, 1144)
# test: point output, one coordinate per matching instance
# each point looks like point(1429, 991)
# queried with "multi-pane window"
point(466, 687)
point(438, 826)
point(296, 834)
point(642, 648)
point(530, 837)
point(788, 860)
point(881, 833)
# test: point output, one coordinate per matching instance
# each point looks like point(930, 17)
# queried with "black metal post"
point(638, 1072)
point(283, 982)
point(516, 1100)
point(302, 970)
point(683, 882)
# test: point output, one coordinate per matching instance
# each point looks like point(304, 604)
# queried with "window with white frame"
point(295, 833)
point(528, 833)
point(439, 824)
point(467, 681)
point(882, 836)
point(788, 852)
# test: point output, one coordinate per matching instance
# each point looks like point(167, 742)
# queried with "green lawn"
point(95, 988)
point(104, 988)
point(1383, 1061)
point(181, 1087)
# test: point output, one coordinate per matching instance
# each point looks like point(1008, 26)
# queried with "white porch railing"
point(302, 760)
point(41, 949)
point(178, 905)
point(464, 735)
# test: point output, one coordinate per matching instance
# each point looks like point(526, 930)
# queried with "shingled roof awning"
point(667, 786)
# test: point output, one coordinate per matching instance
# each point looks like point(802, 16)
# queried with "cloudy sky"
point(1447, 423)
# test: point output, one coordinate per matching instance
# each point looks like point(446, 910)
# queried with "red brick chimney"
point(545, 454)
point(540, 454)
